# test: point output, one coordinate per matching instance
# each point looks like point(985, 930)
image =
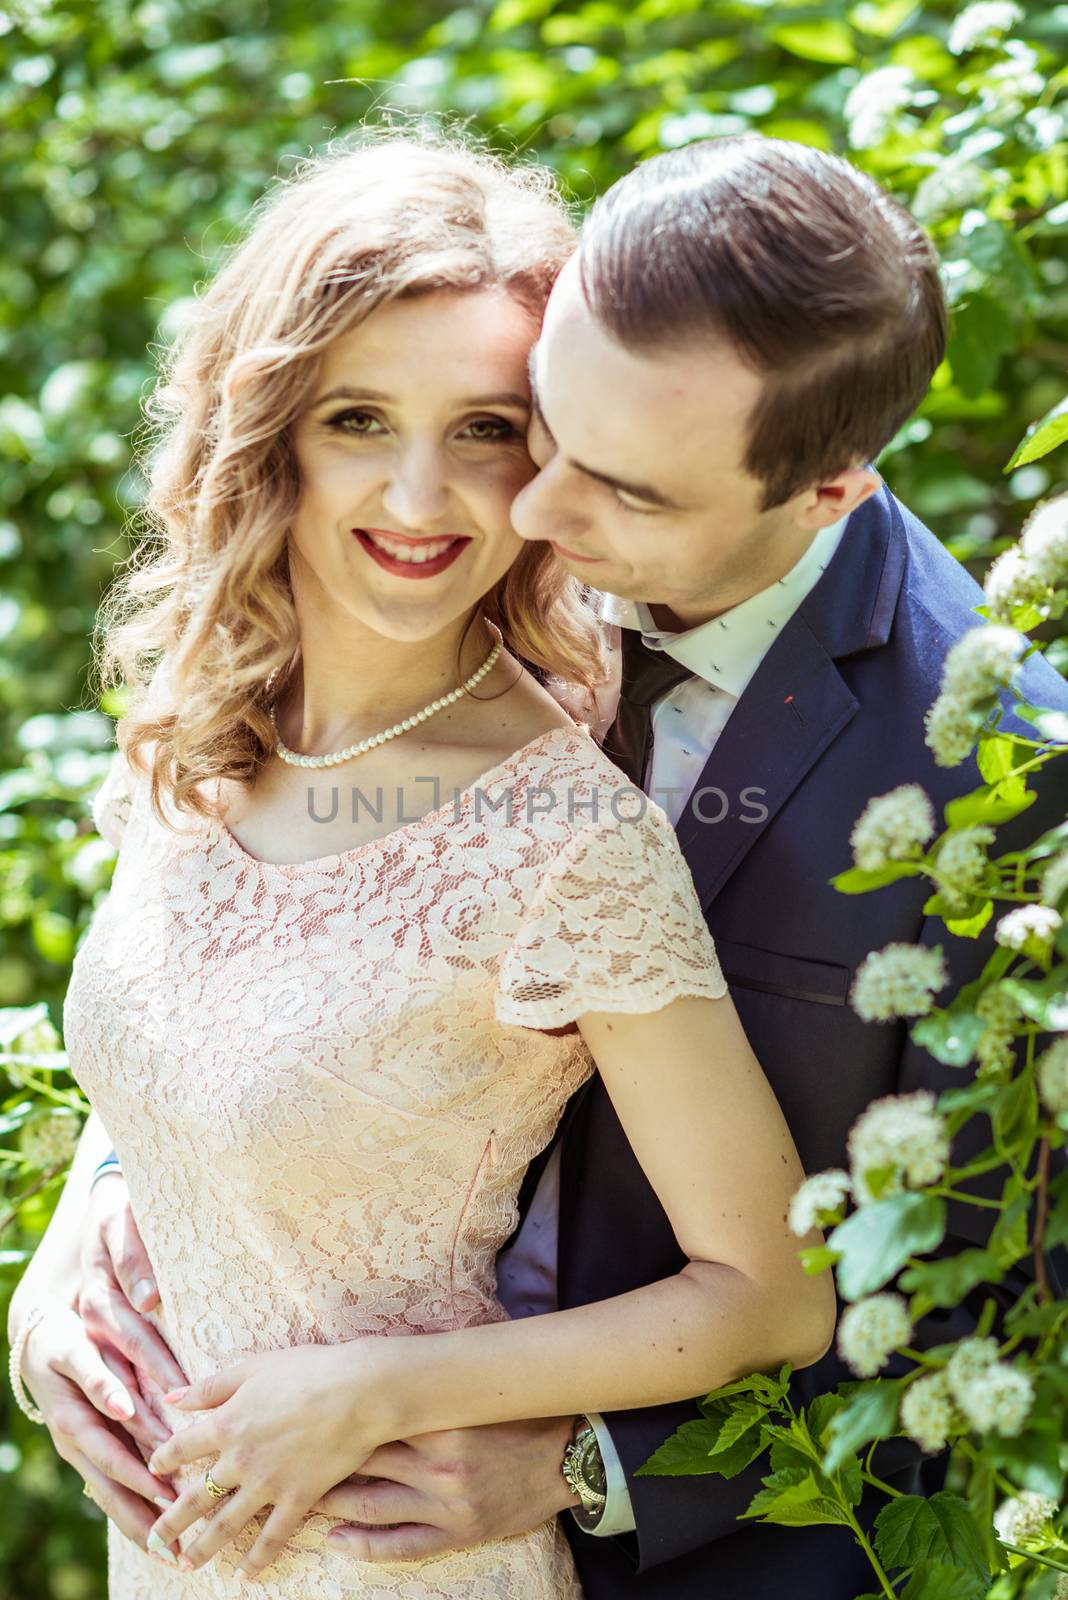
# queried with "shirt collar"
point(727, 650)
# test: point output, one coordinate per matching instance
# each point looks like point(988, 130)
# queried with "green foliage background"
point(135, 137)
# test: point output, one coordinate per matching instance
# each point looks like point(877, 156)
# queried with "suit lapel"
point(797, 702)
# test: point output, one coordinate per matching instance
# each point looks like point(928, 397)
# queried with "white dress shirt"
point(723, 655)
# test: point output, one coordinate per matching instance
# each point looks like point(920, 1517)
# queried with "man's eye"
point(628, 505)
point(494, 428)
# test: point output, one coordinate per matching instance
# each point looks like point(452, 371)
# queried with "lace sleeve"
point(110, 805)
point(614, 925)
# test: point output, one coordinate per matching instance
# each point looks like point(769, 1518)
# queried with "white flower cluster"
point(1061, 1591)
point(962, 860)
point(902, 1137)
point(994, 1048)
point(892, 827)
point(1044, 540)
point(981, 662)
point(1011, 88)
point(1053, 1077)
point(875, 103)
point(1028, 927)
point(928, 1414)
point(1054, 885)
point(952, 187)
point(1026, 1516)
point(870, 1331)
point(897, 981)
point(994, 1397)
point(819, 1197)
point(984, 23)
point(1028, 572)
point(51, 1140)
point(1011, 581)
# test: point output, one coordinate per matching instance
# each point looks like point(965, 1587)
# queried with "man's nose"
point(417, 492)
point(539, 510)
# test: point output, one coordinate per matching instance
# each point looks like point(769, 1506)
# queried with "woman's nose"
point(417, 492)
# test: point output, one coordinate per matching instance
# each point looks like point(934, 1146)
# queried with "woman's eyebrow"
point(517, 402)
point(637, 491)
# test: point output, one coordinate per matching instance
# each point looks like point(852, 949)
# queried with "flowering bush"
point(1000, 1403)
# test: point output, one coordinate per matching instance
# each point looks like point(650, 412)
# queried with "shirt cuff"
point(618, 1514)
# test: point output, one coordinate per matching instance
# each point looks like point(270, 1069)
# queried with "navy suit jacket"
point(833, 716)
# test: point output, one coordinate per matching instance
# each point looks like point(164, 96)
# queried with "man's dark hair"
point(818, 279)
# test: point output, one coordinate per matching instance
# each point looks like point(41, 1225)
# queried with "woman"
point(329, 1026)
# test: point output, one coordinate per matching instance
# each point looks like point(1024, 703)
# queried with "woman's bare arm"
point(713, 1142)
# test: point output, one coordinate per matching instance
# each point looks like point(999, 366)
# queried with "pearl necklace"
point(295, 760)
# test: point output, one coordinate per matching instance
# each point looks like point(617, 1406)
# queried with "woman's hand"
point(286, 1426)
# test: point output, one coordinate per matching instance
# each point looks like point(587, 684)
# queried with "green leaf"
point(949, 1036)
point(998, 755)
point(856, 881)
point(877, 1240)
point(687, 1452)
point(819, 1414)
point(1044, 1001)
point(768, 1387)
point(1016, 1110)
point(982, 332)
point(795, 1498)
point(986, 805)
point(741, 1418)
point(1010, 1237)
point(695, 1448)
point(930, 1580)
point(971, 927)
point(870, 1412)
point(945, 1282)
point(882, 19)
point(1042, 437)
point(817, 1258)
point(828, 41)
point(1033, 1459)
point(936, 1528)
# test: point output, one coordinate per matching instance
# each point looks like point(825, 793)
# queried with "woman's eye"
point(352, 422)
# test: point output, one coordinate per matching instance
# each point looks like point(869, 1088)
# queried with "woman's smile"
point(408, 557)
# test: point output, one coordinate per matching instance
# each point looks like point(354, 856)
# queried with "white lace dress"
point(324, 1083)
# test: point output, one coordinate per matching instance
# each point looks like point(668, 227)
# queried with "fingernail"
point(144, 1290)
point(161, 1500)
point(156, 1545)
point(185, 1563)
point(176, 1394)
point(120, 1405)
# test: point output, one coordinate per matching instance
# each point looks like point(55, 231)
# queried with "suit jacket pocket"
point(746, 966)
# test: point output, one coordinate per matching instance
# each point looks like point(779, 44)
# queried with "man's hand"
point(72, 1382)
point(449, 1490)
point(117, 1284)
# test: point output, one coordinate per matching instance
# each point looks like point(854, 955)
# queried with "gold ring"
point(213, 1488)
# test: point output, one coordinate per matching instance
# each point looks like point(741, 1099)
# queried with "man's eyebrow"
point(638, 491)
point(517, 402)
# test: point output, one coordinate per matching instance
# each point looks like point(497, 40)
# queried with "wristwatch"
point(584, 1474)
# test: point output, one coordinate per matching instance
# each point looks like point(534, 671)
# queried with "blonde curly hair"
point(203, 613)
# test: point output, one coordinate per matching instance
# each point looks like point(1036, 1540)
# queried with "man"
point(746, 325)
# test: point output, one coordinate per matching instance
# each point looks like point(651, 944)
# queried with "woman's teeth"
point(415, 554)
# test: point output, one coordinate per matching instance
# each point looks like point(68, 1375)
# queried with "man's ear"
point(836, 497)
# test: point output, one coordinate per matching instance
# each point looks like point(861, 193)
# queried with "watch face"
point(591, 1466)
